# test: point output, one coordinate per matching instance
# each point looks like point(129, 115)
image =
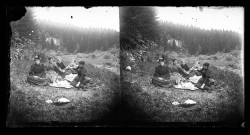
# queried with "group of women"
point(162, 73)
point(53, 71)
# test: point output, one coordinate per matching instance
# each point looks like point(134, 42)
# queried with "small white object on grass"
point(175, 103)
point(190, 102)
point(63, 100)
point(203, 85)
point(77, 84)
point(128, 68)
point(49, 101)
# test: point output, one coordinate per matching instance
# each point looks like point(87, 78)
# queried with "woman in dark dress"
point(37, 73)
point(162, 75)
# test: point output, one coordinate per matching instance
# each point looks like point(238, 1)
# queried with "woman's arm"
point(31, 72)
point(156, 74)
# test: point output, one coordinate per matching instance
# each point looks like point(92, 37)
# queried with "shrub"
point(229, 58)
point(235, 53)
point(93, 56)
point(59, 53)
point(79, 55)
point(108, 63)
point(202, 57)
point(181, 55)
point(114, 51)
point(106, 56)
point(51, 53)
point(213, 57)
point(232, 66)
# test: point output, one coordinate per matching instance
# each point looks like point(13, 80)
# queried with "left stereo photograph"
point(64, 65)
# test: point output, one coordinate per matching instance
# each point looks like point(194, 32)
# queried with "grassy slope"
point(155, 104)
point(27, 102)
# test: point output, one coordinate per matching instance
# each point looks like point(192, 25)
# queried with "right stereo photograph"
point(182, 64)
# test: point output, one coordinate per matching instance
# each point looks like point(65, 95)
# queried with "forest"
point(199, 41)
point(65, 37)
point(139, 25)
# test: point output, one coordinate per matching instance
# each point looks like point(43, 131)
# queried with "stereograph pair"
point(126, 66)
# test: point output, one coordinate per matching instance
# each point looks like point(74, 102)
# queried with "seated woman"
point(60, 68)
point(205, 82)
point(51, 69)
point(81, 76)
point(179, 69)
point(162, 75)
point(37, 73)
point(184, 66)
point(60, 64)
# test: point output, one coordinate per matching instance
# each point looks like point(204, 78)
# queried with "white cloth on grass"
point(62, 84)
point(194, 78)
point(70, 77)
point(186, 85)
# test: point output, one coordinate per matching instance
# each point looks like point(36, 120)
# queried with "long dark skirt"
point(37, 81)
point(161, 83)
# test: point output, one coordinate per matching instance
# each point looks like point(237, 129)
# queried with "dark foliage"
point(198, 41)
point(137, 24)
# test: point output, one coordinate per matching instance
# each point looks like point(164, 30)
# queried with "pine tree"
point(137, 23)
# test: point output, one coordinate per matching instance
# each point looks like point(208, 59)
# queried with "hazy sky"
point(207, 18)
point(98, 17)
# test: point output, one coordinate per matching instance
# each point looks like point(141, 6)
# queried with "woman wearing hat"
point(81, 76)
point(37, 73)
point(162, 74)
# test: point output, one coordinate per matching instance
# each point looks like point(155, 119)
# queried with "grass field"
point(154, 104)
point(27, 102)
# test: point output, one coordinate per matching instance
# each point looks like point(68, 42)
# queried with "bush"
point(202, 57)
point(114, 51)
point(108, 64)
point(106, 56)
point(235, 53)
point(93, 56)
point(213, 57)
point(232, 66)
point(59, 53)
point(229, 58)
point(79, 55)
point(51, 53)
point(181, 55)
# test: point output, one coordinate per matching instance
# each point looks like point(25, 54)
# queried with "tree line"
point(72, 38)
point(76, 39)
point(200, 41)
